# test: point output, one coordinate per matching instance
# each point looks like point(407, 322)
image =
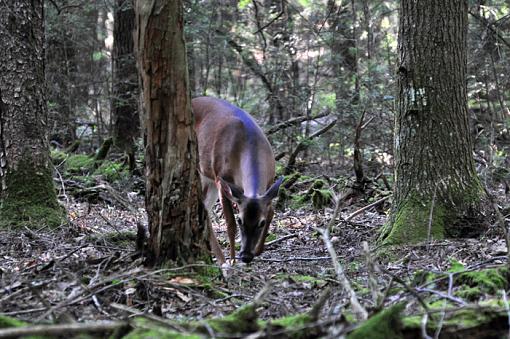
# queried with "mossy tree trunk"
point(27, 195)
point(125, 81)
point(437, 191)
point(177, 218)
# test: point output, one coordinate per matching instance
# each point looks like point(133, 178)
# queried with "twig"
point(317, 307)
point(409, 289)
point(304, 145)
point(442, 295)
point(153, 317)
point(423, 326)
point(360, 312)
point(295, 259)
point(338, 205)
point(54, 330)
point(292, 122)
point(371, 269)
point(441, 321)
point(285, 237)
point(361, 210)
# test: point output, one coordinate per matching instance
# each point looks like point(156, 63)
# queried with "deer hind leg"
point(260, 245)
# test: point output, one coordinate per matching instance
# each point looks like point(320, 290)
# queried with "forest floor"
point(89, 269)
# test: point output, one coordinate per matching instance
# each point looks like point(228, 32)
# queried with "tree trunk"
point(27, 195)
point(177, 218)
point(437, 191)
point(125, 81)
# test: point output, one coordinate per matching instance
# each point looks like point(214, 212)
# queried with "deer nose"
point(246, 257)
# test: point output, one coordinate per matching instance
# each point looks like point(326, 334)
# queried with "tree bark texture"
point(177, 218)
point(437, 191)
point(125, 81)
point(27, 195)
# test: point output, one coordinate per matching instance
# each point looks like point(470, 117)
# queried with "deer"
point(236, 164)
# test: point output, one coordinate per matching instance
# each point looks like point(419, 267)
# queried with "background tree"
point(125, 81)
point(437, 191)
point(27, 193)
point(177, 218)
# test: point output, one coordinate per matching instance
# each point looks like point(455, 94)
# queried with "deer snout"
point(246, 257)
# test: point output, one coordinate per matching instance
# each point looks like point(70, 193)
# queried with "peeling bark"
point(177, 218)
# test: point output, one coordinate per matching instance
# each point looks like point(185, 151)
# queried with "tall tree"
point(437, 191)
point(177, 218)
point(27, 194)
point(125, 81)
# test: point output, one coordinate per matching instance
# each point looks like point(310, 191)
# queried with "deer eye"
point(239, 221)
point(262, 223)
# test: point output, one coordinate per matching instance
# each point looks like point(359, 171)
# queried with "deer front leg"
point(215, 246)
point(260, 246)
point(228, 212)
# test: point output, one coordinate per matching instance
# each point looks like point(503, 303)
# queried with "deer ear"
point(232, 192)
point(272, 192)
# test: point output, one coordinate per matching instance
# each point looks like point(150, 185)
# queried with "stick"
point(54, 330)
point(361, 210)
point(288, 236)
point(360, 312)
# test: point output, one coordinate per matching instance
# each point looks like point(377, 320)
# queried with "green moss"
point(457, 216)
point(410, 223)
point(469, 293)
point(79, 163)
point(385, 324)
point(243, 320)
point(321, 198)
point(112, 171)
point(159, 332)
point(488, 280)
point(102, 152)
point(295, 325)
point(7, 322)
point(30, 199)
point(57, 157)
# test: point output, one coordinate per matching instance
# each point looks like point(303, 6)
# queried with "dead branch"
point(360, 312)
point(304, 145)
point(367, 207)
point(293, 122)
point(338, 205)
point(58, 330)
point(288, 236)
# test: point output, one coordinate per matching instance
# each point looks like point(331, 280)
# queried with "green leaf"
point(242, 4)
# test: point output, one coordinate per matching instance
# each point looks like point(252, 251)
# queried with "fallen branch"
point(288, 236)
point(58, 330)
point(363, 209)
point(359, 311)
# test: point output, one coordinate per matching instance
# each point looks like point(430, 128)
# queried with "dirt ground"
point(89, 270)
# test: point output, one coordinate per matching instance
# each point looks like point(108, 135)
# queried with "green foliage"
point(243, 3)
